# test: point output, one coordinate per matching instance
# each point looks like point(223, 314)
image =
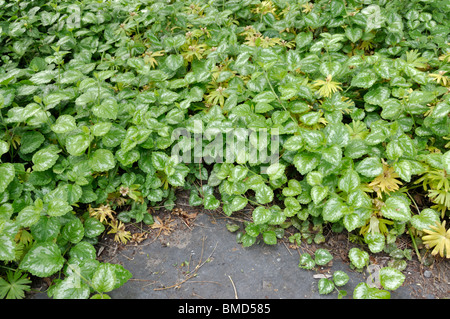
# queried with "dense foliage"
point(94, 94)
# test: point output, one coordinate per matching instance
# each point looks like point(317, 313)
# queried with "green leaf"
point(358, 258)
point(275, 171)
point(306, 261)
point(294, 188)
point(247, 240)
point(340, 278)
point(73, 231)
point(363, 291)
point(93, 227)
point(263, 193)
point(318, 193)
point(238, 203)
point(375, 241)
point(334, 210)
point(77, 145)
point(104, 278)
point(351, 221)
point(211, 202)
point(71, 287)
point(4, 147)
point(264, 97)
point(396, 208)
point(270, 237)
point(7, 247)
point(303, 39)
point(108, 109)
point(43, 77)
point(322, 257)
point(64, 124)
point(293, 143)
point(174, 62)
point(30, 141)
point(349, 181)
point(46, 229)
point(7, 173)
point(364, 79)
point(15, 285)
point(332, 154)
point(305, 162)
point(370, 167)
point(261, 215)
point(43, 259)
point(446, 161)
point(159, 160)
point(353, 34)
point(391, 278)
point(102, 160)
point(45, 158)
point(325, 286)
point(82, 251)
point(377, 96)
point(122, 275)
point(58, 207)
point(101, 129)
point(29, 215)
point(427, 217)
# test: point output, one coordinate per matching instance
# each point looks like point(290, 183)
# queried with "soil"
point(427, 280)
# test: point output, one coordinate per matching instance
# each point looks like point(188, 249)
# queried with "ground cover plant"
point(313, 113)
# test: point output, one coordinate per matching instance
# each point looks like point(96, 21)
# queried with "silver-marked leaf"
point(364, 79)
point(102, 160)
point(64, 124)
point(45, 158)
point(77, 144)
point(370, 167)
point(322, 256)
point(340, 278)
point(334, 210)
point(325, 286)
point(363, 291)
point(397, 208)
point(305, 162)
point(58, 207)
point(375, 241)
point(104, 278)
point(391, 278)
point(7, 173)
point(107, 109)
point(43, 259)
point(43, 77)
point(427, 217)
point(261, 215)
point(359, 258)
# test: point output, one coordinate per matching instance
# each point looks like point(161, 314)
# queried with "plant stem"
point(415, 246)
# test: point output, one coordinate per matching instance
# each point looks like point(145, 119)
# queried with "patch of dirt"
point(172, 228)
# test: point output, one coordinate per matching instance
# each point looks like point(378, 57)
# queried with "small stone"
point(427, 273)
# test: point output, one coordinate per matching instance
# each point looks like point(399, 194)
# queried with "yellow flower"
point(385, 182)
point(101, 212)
point(149, 57)
point(118, 228)
point(327, 87)
point(438, 238)
point(440, 77)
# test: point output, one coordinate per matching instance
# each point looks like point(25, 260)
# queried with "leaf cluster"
point(97, 97)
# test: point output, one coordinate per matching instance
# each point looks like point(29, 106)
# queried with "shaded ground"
point(189, 253)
